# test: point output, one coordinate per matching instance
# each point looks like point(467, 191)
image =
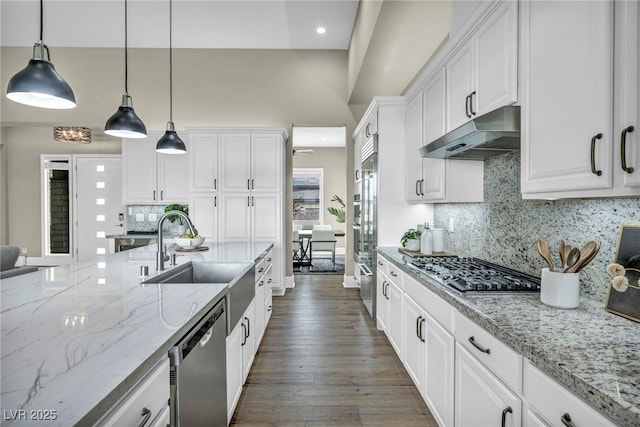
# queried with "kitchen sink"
point(240, 276)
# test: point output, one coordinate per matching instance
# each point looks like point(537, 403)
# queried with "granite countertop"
point(594, 353)
point(76, 337)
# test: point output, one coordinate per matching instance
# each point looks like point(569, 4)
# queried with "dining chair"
point(322, 227)
point(323, 241)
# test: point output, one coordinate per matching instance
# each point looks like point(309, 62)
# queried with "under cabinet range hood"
point(483, 137)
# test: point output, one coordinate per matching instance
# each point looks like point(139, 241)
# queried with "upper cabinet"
point(204, 160)
point(152, 178)
point(436, 180)
point(482, 74)
point(250, 162)
point(580, 114)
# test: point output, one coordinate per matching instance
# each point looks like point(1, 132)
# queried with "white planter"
point(560, 290)
point(413, 245)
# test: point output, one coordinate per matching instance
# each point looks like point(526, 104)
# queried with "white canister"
point(426, 242)
point(438, 239)
point(560, 290)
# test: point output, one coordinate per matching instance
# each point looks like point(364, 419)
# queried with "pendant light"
point(39, 84)
point(124, 123)
point(170, 143)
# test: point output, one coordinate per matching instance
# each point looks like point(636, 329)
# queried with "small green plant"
point(410, 234)
point(176, 207)
point(339, 213)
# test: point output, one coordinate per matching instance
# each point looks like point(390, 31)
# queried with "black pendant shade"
point(124, 123)
point(39, 84)
point(170, 143)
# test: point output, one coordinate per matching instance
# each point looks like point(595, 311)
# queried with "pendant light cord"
point(41, 20)
point(126, 53)
point(170, 62)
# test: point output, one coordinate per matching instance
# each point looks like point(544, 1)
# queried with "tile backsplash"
point(504, 228)
point(146, 217)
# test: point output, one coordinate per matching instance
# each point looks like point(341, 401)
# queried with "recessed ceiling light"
point(321, 30)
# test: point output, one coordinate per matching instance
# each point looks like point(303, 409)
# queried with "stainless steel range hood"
point(480, 138)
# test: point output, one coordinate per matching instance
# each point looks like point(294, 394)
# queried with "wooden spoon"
point(572, 260)
point(543, 250)
point(589, 256)
point(563, 258)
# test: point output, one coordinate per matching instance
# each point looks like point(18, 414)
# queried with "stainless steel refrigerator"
point(365, 225)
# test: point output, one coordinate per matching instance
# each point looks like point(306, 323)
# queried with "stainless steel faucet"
point(160, 254)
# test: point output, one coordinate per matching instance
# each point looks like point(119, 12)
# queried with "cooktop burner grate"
point(476, 275)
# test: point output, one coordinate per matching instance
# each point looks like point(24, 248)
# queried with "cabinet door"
point(268, 307)
point(382, 303)
point(139, 171)
point(204, 161)
point(414, 327)
point(235, 217)
point(248, 342)
point(459, 83)
point(265, 218)
point(413, 165)
point(266, 162)
point(496, 48)
point(357, 162)
point(439, 372)
point(566, 99)
point(434, 108)
point(203, 210)
point(627, 92)
point(235, 161)
point(234, 369)
point(259, 310)
point(480, 398)
point(395, 330)
point(173, 177)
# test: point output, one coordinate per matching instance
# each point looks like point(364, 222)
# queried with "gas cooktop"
point(475, 275)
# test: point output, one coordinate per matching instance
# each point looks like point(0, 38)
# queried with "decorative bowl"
point(189, 243)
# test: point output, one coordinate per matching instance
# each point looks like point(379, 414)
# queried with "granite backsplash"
point(146, 217)
point(505, 227)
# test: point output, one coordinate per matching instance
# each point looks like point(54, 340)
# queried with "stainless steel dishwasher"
point(198, 383)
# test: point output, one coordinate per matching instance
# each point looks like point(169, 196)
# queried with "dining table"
point(304, 257)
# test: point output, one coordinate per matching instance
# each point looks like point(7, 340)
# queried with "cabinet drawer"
point(150, 394)
point(504, 362)
point(395, 275)
point(552, 401)
point(268, 307)
point(260, 269)
point(382, 264)
point(430, 302)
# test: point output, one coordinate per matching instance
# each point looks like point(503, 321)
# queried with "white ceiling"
point(224, 24)
point(310, 136)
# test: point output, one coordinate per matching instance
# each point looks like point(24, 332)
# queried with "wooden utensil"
point(572, 260)
point(543, 250)
point(564, 253)
point(591, 250)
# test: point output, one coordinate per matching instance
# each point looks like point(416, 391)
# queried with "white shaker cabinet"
point(395, 324)
point(480, 398)
point(436, 180)
point(203, 211)
point(153, 178)
point(382, 302)
point(251, 162)
point(583, 107)
point(483, 74)
point(204, 160)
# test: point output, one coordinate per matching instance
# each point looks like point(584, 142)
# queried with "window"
point(307, 194)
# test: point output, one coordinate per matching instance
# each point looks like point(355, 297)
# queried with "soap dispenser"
point(426, 241)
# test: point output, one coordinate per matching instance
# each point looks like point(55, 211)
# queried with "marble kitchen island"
point(75, 338)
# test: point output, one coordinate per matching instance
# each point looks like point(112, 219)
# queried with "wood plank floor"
point(323, 363)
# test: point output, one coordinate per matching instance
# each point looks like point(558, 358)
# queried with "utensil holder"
point(560, 290)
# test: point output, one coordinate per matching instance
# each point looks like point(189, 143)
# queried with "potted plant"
point(411, 240)
point(339, 213)
point(180, 226)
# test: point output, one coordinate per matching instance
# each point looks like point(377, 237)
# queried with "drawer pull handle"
point(504, 415)
point(418, 319)
point(393, 274)
point(472, 340)
point(422, 329)
point(566, 420)
point(623, 149)
point(146, 414)
point(593, 154)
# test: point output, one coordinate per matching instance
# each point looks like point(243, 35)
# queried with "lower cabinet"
point(382, 301)
point(480, 398)
point(551, 404)
point(146, 403)
point(248, 342)
point(395, 330)
point(234, 368)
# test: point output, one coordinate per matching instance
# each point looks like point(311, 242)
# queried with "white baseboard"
point(350, 282)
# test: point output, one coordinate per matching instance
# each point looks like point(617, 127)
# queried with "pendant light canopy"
point(170, 143)
point(39, 84)
point(124, 123)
